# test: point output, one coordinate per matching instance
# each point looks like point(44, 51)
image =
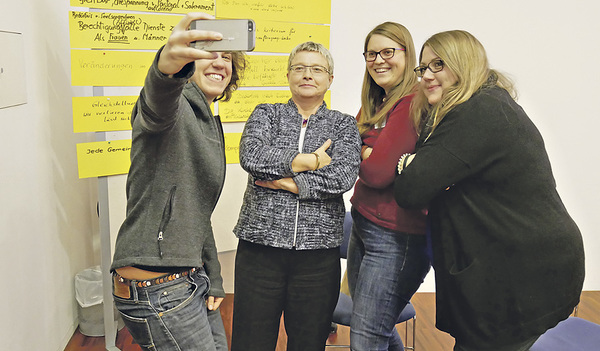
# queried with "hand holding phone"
point(177, 52)
point(238, 34)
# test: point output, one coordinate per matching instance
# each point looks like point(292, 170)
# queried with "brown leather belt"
point(122, 286)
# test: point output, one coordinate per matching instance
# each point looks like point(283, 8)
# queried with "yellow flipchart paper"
point(305, 11)
point(102, 113)
point(266, 71)
point(108, 30)
point(109, 68)
point(282, 37)
point(170, 6)
point(243, 102)
point(232, 147)
point(103, 158)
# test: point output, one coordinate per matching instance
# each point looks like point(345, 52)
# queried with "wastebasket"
point(89, 295)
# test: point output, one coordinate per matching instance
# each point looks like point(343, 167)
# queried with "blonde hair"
point(466, 58)
point(375, 103)
point(311, 46)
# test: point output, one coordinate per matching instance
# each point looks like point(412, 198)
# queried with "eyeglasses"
point(434, 66)
point(385, 54)
point(317, 70)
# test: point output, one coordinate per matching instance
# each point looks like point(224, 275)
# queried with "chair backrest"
point(347, 232)
point(571, 334)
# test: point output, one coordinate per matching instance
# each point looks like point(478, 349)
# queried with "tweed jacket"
point(312, 219)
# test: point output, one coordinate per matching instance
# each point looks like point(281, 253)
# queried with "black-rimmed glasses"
point(313, 69)
point(385, 54)
point(434, 66)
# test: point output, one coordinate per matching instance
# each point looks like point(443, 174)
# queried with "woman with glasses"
point(387, 258)
point(508, 258)
point(301, 157)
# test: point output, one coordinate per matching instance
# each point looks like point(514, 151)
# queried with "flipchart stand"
point(110, 325)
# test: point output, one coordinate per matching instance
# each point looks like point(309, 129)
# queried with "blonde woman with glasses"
point(508, 258)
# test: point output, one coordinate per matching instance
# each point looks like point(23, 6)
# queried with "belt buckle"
point(121, 289)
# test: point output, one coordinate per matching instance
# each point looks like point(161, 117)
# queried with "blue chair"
point(573, 333)
point(343, 309)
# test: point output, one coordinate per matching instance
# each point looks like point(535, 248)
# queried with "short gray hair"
point(311, 46)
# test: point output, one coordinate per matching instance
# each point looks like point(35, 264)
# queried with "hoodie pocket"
point(166, 217)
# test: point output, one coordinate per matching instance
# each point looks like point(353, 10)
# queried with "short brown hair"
point(238, 67)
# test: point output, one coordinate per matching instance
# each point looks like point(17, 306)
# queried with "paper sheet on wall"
point(282, 37)
point(266, 71)
point(243, 102)
point(102, 113)
point(109, 30)
point(103, 158)
point(232, 147)
point(109, 68)
point(304, 11)
point(169, 6)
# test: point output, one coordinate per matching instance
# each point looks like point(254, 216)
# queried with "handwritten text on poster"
point(109, 68)
point(102, 113)
point(170, 6)
point(304, 11)
point(103, 158)
point(108, 30)
point(282, 37)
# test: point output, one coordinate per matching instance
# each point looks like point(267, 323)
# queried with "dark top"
point(175, 179)
point(508, 258)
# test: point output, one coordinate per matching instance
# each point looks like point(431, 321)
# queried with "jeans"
point(385, 269)
point(303, 284)
point(173, 316)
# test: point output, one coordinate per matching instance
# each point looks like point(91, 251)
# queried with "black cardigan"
point(508, 258)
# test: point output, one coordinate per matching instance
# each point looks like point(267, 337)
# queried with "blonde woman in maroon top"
point(387, 259)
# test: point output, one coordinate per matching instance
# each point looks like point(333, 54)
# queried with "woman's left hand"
point(287, 184)
point(213, 302)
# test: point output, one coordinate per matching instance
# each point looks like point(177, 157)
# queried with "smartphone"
point(238, 34)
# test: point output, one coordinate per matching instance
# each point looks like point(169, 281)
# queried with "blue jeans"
point(303, 284)
point(173, 316)
point(385, 269)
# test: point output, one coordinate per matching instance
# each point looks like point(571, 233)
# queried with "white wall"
point(48, 225)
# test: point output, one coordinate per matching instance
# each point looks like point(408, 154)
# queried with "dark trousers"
point(304, 285)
